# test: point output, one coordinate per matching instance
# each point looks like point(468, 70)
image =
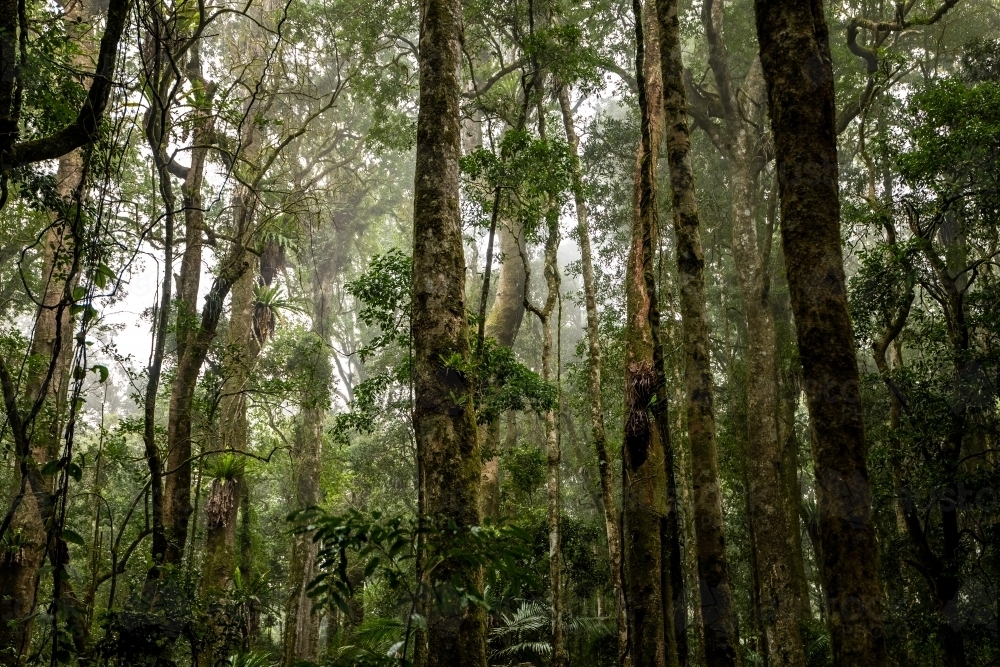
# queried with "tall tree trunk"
point(795, 55)
point(301, 641)
point(719, 618)
point(197, 336)
point(225, 495)
point(552, 436)
point(552, 439)
point(644, 461)
point(594, 377)
point(503, 324)
point(774, 541)
point(177, 485)
point(161, 322)
point(788, 400)
point(52, 347)
point(189, 278)
point(692, 653)
point(443, 421)
point(672, 559)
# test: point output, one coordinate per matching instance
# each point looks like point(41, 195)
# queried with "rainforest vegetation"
point(446, 333)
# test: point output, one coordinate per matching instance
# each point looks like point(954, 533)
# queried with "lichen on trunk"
point(443, 421)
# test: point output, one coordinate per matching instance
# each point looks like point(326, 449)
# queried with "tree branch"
point(83, 130)
point(493, 80)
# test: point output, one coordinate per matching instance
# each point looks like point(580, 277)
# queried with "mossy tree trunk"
point(645, 503)
point(797, 66)
point(774, 537)
point(443, 421)
point(719, 618)
point(47, 386)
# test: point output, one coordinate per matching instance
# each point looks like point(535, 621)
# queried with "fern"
point(377, 641)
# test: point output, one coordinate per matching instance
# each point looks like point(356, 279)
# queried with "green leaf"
point(72, 536)
point(102, 371)
point(103, 275)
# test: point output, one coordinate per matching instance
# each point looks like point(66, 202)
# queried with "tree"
point(714, 587)
point(443, 421)
point(795, 57)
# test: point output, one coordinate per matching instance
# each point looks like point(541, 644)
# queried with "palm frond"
point(590, 626)
point(540, 649)
point(530, 616)
point(250, 659)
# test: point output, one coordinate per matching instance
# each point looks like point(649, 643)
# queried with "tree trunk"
point(177, 487)
point(52, 345)
point(688, 653)
point(774, 542)
point(220, 536)
point(189, 278)
point(301, 640)
point(594, 378)
point(676, 613)
point(795, 55)
point(719, 618)
point(788, 438)
point(503, 324)
point(225, 495)
point(644, 461)
point(552, 440)
point(443, 421)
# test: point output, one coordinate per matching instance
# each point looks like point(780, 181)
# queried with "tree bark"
point(233, 434)
point(443, 421)
point(503, 324)
point(774, 541)
point(552, 440)
point(795, 55)
point(177, 485)
point(687, 553)
point(326, 258)
point(719, 618)
point(52, 346)
point(644, 460)
point(788, 400)
point(301, 641)
point(594, 378)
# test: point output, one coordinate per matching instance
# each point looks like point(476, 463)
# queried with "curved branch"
point(881, 30)
point(83, 130)
point(718, 59)
point(622, 74)
point(493, 80)
point(120, 568)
